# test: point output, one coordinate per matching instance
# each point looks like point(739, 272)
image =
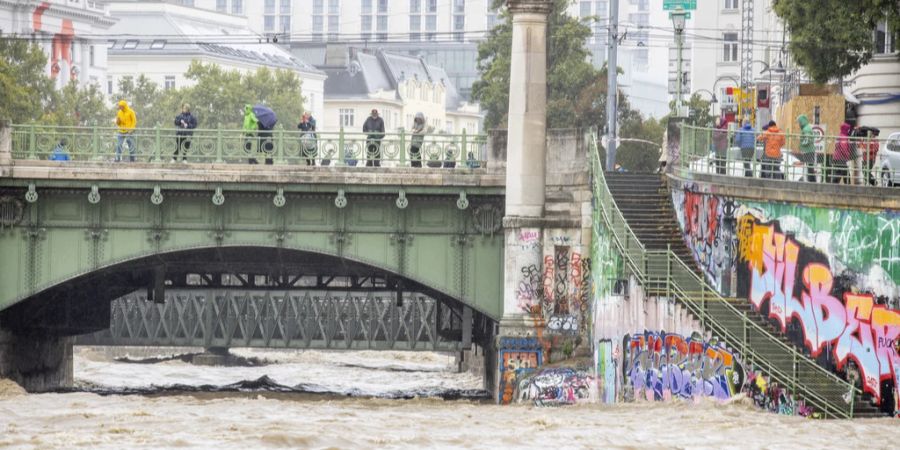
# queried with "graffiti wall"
point(829, 278)
point(519, 357)
point(558, 386)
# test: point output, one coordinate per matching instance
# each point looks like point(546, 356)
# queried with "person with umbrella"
point(374, 126)
point(266, 121)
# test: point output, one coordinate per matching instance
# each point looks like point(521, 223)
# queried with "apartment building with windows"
point(876, 86)
point(67, 31)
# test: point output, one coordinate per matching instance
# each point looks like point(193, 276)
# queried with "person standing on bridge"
point(186, 122)
point(807, 147)
point(720, 146)
point(250, 127)
point(307, 127)
point(374, 126)
point(745, 139)
point(774, 139)
point(418, 138)
point(126, 120)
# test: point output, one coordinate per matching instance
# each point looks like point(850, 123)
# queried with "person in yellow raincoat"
point(126, 120)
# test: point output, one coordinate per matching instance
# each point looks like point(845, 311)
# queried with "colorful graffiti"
point(797, 283)
point(557, 386)
point(660, 366)
point(518, 358)
point(830, 278)
point(606, 371)
point(771, 397)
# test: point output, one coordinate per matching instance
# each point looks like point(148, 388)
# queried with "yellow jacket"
point(125, 118)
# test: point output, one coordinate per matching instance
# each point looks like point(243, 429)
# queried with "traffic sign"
point(669, 5)
point(687, 15)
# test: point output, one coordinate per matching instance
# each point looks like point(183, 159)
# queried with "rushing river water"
point(360, 400)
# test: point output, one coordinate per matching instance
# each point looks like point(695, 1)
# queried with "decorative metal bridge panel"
point(291, 319)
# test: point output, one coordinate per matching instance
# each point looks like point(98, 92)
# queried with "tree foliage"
point(25, 88)
point(569, 73)
point(834, 38)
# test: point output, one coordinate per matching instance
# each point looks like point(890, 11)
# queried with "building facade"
point(68, 32)
point(161, 40)
point(398, 86)
point(876, 86)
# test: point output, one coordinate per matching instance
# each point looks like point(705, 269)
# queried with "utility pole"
point(612, 73)
point(679, 16)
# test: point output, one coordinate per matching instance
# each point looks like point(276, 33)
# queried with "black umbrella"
point(265, 116)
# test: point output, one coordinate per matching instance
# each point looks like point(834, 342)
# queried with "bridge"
point(694, 282)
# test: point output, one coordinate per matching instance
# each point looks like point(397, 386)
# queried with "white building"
point(641, 52)
point(713, 51)
point(161, 40)
point(399, 87)
point(67, 31)
point(877, 85)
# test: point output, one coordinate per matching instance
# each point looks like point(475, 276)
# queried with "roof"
point(370, 71)
point(165, 32)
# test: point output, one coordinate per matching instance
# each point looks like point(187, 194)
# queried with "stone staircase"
point(646, 204)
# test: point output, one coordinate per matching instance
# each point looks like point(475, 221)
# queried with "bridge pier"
point(38, 362)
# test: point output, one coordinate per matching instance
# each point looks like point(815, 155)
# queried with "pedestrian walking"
point(771, 161)
point(307, 127)
point(418, 138)
point(374, 126)
point(807, 147)
point(126, 121)
point(745, 139)
point(185, 122)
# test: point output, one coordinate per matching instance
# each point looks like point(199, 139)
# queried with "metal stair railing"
point(664, 273)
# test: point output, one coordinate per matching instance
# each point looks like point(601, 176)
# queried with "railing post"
point(32, 142)
point(95, 145)
point(668, 270)
point(279, 149)
point(219, 144)
point(157, 147)
point(463, 152)
point(403, 148)
point(341, 151)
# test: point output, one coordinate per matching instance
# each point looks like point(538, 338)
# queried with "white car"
point(887, 164)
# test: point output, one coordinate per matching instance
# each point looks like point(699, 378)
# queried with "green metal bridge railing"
point(865, 167)
point(223, 146)
point(663, 273)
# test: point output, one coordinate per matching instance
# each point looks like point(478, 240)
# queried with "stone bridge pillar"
point(525, 171)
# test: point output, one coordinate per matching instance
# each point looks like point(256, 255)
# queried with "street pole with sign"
point(679, 16)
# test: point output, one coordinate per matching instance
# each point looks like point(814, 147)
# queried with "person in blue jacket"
point(59, 152)
point(745, 139)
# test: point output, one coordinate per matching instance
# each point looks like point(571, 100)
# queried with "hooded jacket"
point(807, 137)
point(250, 121)
point(842, 146)
point(125, 118)
point(774, 139)
point(745, 138)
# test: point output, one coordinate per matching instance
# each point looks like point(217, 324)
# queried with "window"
point(459, 19)
point(270, 7)
point(187, 3)
point(285, 7)
point(431, 26)
point(459, 6)
point(237, 6)
point(884, 42)
point(730, 47)
point(366, 6)
point(170, 82)
point(158, 44)
point(130, 44)
point(285, 24)
point(415, 26)
point(584, 9)
point(731, 4)
point(415, 6)
point(382, 6)
point(91, 59)
point(334, 6)
point(269, 23)
point(345, 117)
point(110, 44)
point(381, 27)
point(432, 6)
point(221, 5)
point(366, 27)
point(333, 27)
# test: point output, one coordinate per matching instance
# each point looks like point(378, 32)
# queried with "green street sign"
point(687, 15)
point(669, 5)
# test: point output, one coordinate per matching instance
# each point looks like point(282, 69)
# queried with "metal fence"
point(665, 274)
point(165, 145)
point(864, 161)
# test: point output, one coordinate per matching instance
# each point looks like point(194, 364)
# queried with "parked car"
point(888, 162)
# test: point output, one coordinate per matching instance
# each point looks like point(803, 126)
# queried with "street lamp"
point(679, 16)
point(711, 93)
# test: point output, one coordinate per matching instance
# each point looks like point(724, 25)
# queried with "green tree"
point(25, 88)
point(700, 111)
point(78, 106)
point(640, 156)
point(833, 38)
point(569, 76)
point(147, 100)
